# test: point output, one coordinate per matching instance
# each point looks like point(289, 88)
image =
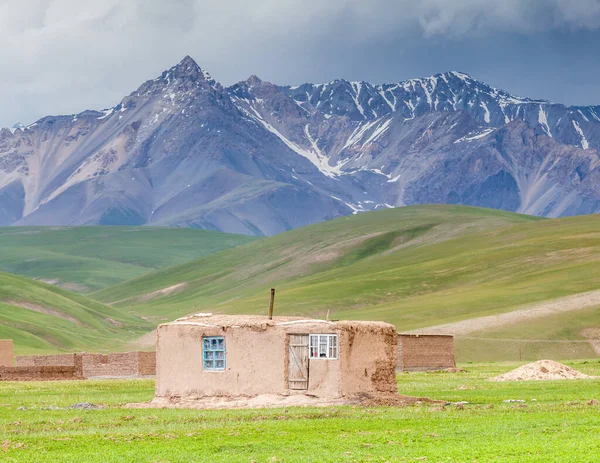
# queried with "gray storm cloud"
point(62, 56)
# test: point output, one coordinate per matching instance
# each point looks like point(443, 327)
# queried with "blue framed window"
point(213, 353)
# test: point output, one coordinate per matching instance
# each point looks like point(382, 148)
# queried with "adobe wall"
point(369, 355)
point(125, 364)
point(122, 364)
point(45, 360)
point(423, 352)
point(6, 352)
point(257, 360)
point(147, 363)
point(40, 373)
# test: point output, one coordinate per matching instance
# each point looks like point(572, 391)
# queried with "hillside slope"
point(85, 259)
point(429, 268)
point(340, 265)
point(43, 318)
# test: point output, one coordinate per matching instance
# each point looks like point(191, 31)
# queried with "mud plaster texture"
point(45, 373)
point(282, 401)
point(116, 365)
point(6, 352)
point(45, 360)
point(257, 359)
point(423, 352)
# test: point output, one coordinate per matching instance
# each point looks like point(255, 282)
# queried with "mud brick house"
point(224, 355)
point(425, 352)
point(6, 352)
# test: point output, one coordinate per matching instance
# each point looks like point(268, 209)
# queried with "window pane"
point(323, 346)
point(213, 353)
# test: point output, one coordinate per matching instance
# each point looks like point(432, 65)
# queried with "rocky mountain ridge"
point(258, 158)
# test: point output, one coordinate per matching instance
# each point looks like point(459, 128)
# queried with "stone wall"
point(6, 352)
point(43, 373)
point(423, 352)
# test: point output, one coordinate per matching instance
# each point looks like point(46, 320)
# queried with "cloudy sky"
point(64, 56)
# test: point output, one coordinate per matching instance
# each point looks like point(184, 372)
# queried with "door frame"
point(291, 356)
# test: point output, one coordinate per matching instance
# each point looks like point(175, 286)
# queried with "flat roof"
point(222, 320)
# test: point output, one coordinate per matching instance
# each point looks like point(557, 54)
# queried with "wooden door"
point(298, 361)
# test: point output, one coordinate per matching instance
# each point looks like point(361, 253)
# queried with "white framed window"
point(213, 353)
point(323, 346)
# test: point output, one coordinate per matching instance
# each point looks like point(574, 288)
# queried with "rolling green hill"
point(444, 268)
point(85, 259)
point(416, 267)
point(365, 266)
point(43, 318)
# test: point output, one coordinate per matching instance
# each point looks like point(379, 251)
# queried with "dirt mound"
point(542, 370)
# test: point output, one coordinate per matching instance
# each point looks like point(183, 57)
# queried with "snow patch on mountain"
point(584, 142)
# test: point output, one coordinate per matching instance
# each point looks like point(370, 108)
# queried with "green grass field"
point(85, 259)
point(554, 424)
point(42, 318)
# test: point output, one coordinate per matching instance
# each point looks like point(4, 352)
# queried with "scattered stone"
point(22, 408)
point(542, 370)
point(512, 401)
point(86, 406)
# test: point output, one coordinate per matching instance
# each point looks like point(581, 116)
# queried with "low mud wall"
point(43, 373)
point(147, 363)
point(45, 360)
point(6, 352)
point(110, 365)
point(115, 365)
point(424, 352)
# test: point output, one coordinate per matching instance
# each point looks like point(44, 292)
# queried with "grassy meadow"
point(43, 318)
point(85, 259)
point(351, 266)
point(415, 267)
point(555, 423)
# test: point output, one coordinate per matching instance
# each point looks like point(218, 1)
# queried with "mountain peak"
point(188, 61)
point(188, 68)
point(253, 80)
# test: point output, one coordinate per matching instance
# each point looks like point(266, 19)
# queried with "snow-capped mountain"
point(259, 158)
